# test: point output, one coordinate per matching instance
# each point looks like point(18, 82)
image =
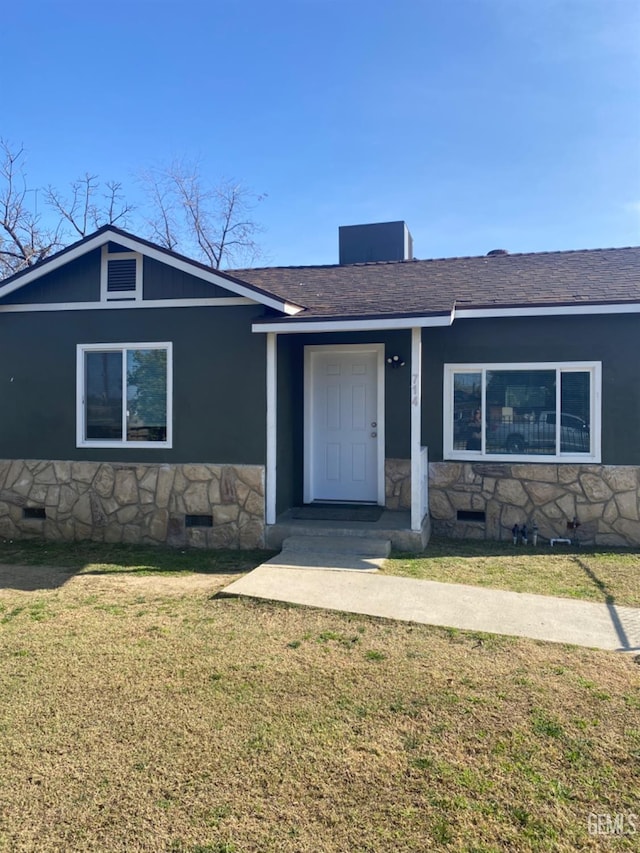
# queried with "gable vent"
point(121, 276)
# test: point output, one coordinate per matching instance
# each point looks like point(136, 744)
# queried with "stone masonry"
point(397, 475)
point(605, 499)
point(118, 502)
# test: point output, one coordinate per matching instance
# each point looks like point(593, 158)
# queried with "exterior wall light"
point(395, 361)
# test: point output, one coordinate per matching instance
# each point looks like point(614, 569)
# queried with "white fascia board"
point(547, 311)
point(353, 325)
point(133, 245)
point(212, 302)
point(457, 313)
point(55, 263)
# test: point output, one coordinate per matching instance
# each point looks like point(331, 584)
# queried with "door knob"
point(374, 423)
point(374, 434)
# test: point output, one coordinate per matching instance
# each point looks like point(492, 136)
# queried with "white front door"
point(344, 429)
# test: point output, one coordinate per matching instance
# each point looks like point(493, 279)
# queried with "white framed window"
point(530, 412)
point(124, 395)
point(120, 276)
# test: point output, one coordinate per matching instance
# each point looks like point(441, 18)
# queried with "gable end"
point(116, 282)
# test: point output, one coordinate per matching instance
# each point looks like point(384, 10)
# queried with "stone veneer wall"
point(118, 502)
point(604, 498)
point(397, 476)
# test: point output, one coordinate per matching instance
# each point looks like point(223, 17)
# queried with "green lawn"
point(611, 576)
point(140, 712)
point(139, 559)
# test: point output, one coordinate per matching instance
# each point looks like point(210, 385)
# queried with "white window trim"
point(127, 295)
point(81, 441)
point(593, 367)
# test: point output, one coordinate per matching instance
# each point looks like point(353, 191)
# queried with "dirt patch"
point(31, 578)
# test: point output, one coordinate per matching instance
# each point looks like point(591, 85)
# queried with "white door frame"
point(309, 490)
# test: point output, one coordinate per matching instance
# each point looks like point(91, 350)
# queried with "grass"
point(140, 712)
point(95, 557)
point(610, 576)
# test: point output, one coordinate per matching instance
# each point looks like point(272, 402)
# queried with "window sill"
point(128, 445)
point(561, 459)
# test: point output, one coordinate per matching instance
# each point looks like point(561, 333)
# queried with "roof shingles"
point(434, 286)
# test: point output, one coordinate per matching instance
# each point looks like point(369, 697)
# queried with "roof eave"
point(308, 325)
point(439, 319)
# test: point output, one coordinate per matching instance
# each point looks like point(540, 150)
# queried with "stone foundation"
point(117, 502)
point(397, 477)
point(604, 498)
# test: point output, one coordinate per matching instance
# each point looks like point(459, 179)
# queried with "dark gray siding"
point(162, 281)
point(77, 281)
point(219, 381)
point(290, 423)
point(614, 340)
point(219, 385)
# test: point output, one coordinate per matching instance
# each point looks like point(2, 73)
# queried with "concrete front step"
point(358, 546)
point(395, 526)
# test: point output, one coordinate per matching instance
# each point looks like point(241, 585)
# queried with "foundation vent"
point(471, 515)
point(32, 512)
point(198, 521)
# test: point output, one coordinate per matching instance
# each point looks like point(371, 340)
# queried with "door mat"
point(328, 512)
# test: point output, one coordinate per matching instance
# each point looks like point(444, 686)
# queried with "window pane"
point(467, 399)
point(521, 412)
point(103, 393)
point(147, 395)
point(575, 404)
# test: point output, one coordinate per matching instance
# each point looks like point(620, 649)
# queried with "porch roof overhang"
point(352, 324)
point(308, 324)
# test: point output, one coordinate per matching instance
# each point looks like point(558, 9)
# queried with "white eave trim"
point(547, 310)
point(213, 302)
point(212, 277)
point(445, 320)
point(353, 325)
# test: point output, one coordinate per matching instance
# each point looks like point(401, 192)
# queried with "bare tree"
point(87, 208)
point(23, 239)
point(214, 223)
point(162, 216)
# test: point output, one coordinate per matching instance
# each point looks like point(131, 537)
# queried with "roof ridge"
point(238, 271)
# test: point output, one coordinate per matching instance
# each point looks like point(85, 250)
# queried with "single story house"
point(149, 398)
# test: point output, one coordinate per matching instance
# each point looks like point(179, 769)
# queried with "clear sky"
point(482, 123)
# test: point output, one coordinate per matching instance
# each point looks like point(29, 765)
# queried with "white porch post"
point(416, 427)
point(272, 444)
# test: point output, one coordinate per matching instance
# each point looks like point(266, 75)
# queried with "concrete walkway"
point(343, 585)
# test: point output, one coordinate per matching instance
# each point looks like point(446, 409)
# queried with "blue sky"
point(482, 123)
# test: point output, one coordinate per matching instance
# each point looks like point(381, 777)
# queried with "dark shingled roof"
point(401, 288)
